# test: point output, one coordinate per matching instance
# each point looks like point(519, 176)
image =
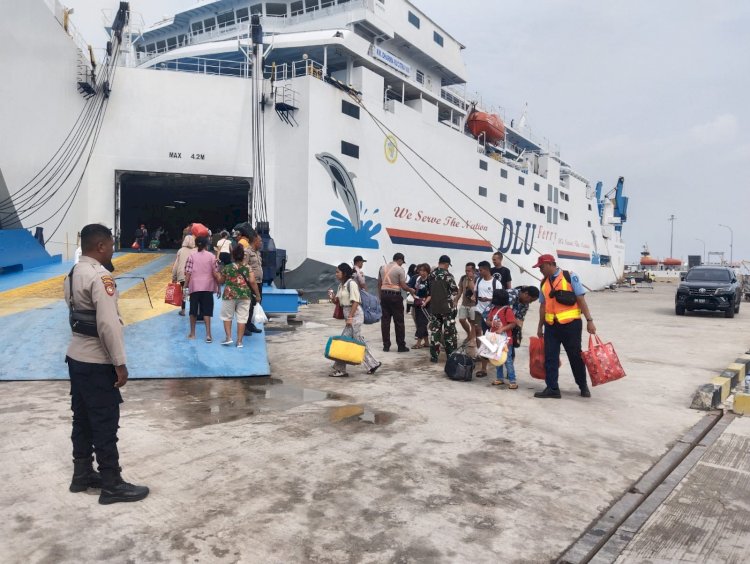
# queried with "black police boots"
point(84, 475)
point(116, 490)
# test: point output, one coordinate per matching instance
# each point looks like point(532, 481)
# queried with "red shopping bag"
point(536, 358)
point(173, 295)
point(602, 362)
point(136, 245)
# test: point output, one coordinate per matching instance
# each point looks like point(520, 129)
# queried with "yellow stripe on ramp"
point(134, 305)
point(46, 292)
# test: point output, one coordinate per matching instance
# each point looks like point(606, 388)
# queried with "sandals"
point(499, 383)
point(338, 374)
point(417, 346)
point(372, 370)
point(480, 374)
point(512, 386)
point(209, 340)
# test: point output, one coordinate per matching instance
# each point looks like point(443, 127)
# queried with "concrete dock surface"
point(403, 466)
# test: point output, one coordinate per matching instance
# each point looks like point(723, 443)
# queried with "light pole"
point(731, 243)
point(671, 236)
point(704, 248)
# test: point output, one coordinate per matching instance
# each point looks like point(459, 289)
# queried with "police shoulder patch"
point(109, 284)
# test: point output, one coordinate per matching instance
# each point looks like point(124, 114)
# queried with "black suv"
point(709, 287)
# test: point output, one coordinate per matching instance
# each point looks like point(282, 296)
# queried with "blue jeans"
point(508, 365)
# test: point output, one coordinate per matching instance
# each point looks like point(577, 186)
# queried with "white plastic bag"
point(493, 346)
point(259, 316)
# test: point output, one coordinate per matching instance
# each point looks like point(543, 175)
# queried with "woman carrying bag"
point(239, 286)
point(347, 296)
point(224, 249)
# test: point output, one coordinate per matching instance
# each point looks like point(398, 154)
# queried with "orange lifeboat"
point(649, 261)
point(488, 124)
point(672, 262)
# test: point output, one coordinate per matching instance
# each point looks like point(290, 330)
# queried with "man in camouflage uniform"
point(253, 260)
point(442, 326)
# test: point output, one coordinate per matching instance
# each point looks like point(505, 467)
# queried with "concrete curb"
point(609, 534)
point(713, 394)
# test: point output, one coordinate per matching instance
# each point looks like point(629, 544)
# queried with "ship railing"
point(202, 65)
point(328, 7)
point(295, 69)
point(454, 98)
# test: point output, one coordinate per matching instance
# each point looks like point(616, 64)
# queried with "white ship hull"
point(196, 125)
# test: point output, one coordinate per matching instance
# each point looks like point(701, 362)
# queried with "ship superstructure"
point(357, 120)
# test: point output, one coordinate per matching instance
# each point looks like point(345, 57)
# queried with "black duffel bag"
point(460, 366)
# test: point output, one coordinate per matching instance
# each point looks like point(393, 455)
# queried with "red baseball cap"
point(543, 259)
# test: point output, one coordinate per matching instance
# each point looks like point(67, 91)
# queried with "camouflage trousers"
point(442, 329)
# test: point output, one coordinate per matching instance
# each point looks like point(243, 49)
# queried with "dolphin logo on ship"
point(343, 186)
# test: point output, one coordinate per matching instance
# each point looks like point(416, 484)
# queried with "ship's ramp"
point(34, 330)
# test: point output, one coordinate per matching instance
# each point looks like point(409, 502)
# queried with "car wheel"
point(679, 310)
point(729, 312)
point(737, 308)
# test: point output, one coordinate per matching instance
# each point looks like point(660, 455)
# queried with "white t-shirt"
point(484, 289)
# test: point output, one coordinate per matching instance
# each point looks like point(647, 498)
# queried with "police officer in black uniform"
point(96, 364)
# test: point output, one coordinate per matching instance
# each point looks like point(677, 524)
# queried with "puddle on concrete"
point(360, 414)
point(197, 402)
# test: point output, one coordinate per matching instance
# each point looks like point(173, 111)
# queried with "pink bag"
point(602, 362)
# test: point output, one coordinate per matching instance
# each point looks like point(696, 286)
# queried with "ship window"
point(503, 197)
point(327, 3)
point(536, 187)
point(420, 77)
point(311, 5)
point(350, 149)
point(243, 14)
point(256, 9)
point(297, 7)
point(564, 216)
point(225, 19)
point(182, 40)
point(557, 195)
point(209, 24)
point(171, 42)
point(413, 19)
point(549, 192)
point(520, 203)
point(482, 164)
point(589, 223)
point(549, 215)
point(350, 109)
point(150, 48)
point(276, 9)
point(197, 27)
point(503, 173)
point(161, 46)
point(589, 208)
point(482, 191)
point(554, 216)
point(521, 180)
point(438, 38)
point(342, 1)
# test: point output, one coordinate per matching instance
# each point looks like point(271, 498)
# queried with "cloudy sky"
point(655, 91)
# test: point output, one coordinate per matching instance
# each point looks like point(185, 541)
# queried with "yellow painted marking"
point(724, 384)
point(134, 306)
point(46, 292)
point(741, 403)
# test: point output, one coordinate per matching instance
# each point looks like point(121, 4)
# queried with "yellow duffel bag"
point(345, 349)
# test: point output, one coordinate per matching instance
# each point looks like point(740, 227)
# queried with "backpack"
point(370, 307)
point(564, 297)
point(460, 366)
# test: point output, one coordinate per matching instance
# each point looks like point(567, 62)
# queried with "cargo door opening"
point(170, 202)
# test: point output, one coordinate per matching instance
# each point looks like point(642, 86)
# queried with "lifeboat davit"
point(488, 124)
point(649, 261)
point(672, 262)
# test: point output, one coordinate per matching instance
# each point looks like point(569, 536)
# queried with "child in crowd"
point(501, 319)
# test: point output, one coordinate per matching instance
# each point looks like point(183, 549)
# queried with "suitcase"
point(345, 349)
point(460, 366)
